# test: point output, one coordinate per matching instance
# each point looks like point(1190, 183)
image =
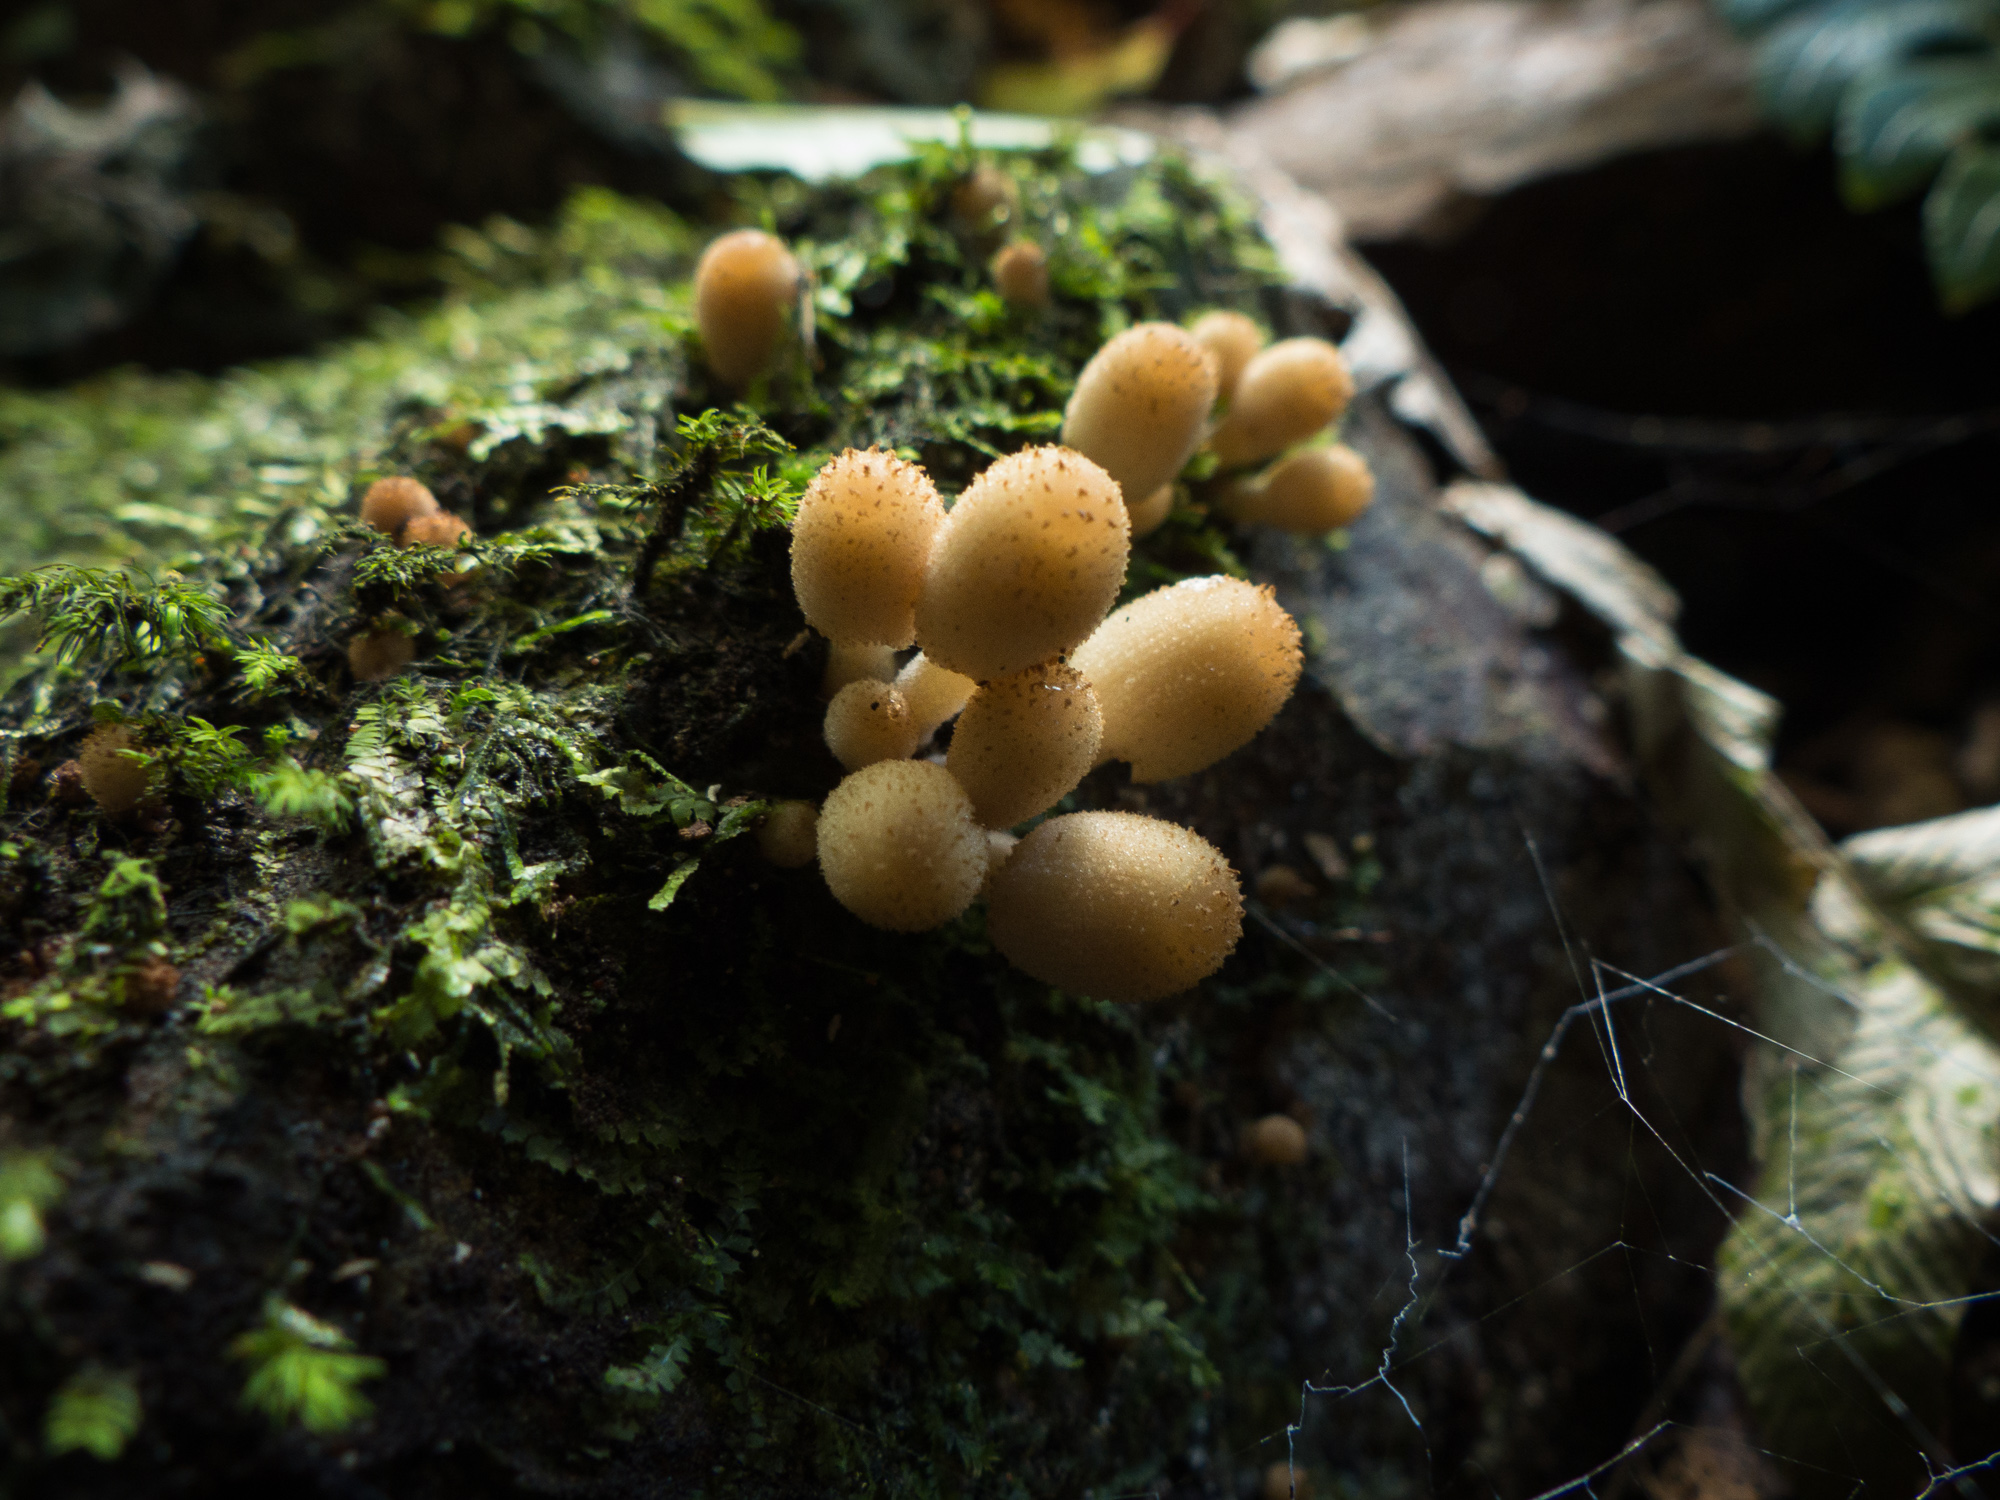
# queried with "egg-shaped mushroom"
point(391, 503)
point(1024, 741)
point(1286, 394)
point(115, 774)
point(745, 287)
point(899, 846)
point(1308, 492)
point(869, 721)
point(1141, 405)
point(1232, 341)
point(863, 536)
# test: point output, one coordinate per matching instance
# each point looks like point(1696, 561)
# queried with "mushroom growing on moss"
point(437, 529)
point(789, 835)
point(394, 502)
point(864, 533)
point(1231, 340)
point(1115, 905)
point(1188, 673)
point(1287, 393)
point(1021, 274)
point(1309, 492)
point(116, 778)
point(869, 721)
point(1140, 406)
point(1024, 741)
point(899, 846)
point(1027, 562)
point(745, 286)
point(934, 693)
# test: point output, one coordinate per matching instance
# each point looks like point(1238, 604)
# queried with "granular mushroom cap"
point(1115, 905)
point(745, 285)
point(1308, 492)
point(934, 693)
point(849, 663)
point(1232, 341)
point(1287, 393)
point(869, 721)
point(899, 846)
point(116, 781)
point(1026, 563)
point(1190, 672)
point(1024, 741)
point(1141, 405)
point(789, 835)
point(392, 503)
point(864, 533)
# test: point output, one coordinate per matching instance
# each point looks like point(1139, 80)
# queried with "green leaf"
point(1962, 227)
point(302, 1371)
point(28, 1187)
point(664, 897)
point(96, 1411)
point(1897, 128)
point(1807, 63)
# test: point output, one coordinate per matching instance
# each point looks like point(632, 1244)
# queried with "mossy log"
point(509, 1127)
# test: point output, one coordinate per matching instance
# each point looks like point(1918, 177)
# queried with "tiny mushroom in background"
point(438, 529)
point(1028, 561)
point(1021, 274)
point(985, 203)
point(849, 663)
point(899, 846)
point(1024, 741)
point(1275, 1141)
point(393, 503)
point(1231, 340)
point(865, 531)
point(789, 835)
point(1115, 906)
point(746, 285)
point(379, 654)
point(116, 778)
point(869, 721)
point(1151, 513)
point(1141, 406)
point(1188, 673)
point(1312, 491)
point(1287, 393)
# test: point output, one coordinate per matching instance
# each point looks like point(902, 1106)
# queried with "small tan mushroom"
point(1275, 1141)
point(845, 664)
point(392, 503)
point(1231, 340)
point(1028, 561)
point(1115, 905)
point(116, 781)
point(438, 529)
point(1021, 274)
point(745, 287)
point(1151, 513)
point(1141, 405)
point(864, 532)
point(1024, 741)
point(1286, 394)
point(1281, 885)
point(934, 693)
point(789, 835)
point(899, 847)
point(867, 722)
point(985, 203)
point(379, 654)
point(1309, 492)
point(1188, 673)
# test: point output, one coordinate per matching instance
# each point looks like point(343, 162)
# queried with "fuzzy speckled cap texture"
point(864, 533)
point(1026, 564)
point(899, 846)
point(1115, 905)
point(1288, 392)
point(1308, 492)
point(1141, 405)
point(934, 693)
point(744, 286)
point(1024, 741)
point(869, 721)
point(1188, 673)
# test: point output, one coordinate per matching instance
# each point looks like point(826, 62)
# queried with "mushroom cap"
point(377, 655)
point(116, 782)
point(1231, 340)
point(864, 532)
point(1188, 673)
point(1151, 513)
point(1024, 741)
point(1021, 274)
point(934, 693)
point(745, 285)
point(1115, 905)
point(1141, 405)
point(1028, 561)
point(899, 847)
point(438, 529)
point(1276, 1141)
point(1287, 393)
point(869, 721)
point(848, 663)
point(392, 503)
point(1309, 492)
point(789, 835)
point(986, 201)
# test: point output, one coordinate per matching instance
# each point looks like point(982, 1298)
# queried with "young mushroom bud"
point(1231, 341)
point(985, 203)
point(1188, 673)
point(1021, 274)
point(1024, 741)
point(1029, 559)
point(1115, 905)
point(116, 779)
point(845, 664)
point(393, 503)
point(379, 654)
point(1275, 1141)
point(864, 532)
point(1309, 492)
point(438, 529)
point(934, 693)
point(1141, 405)
point(745, 287)
point(1151, 513)
point(1287, 393)
point(789, 835)
point(867, 722)
point(899, 847)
